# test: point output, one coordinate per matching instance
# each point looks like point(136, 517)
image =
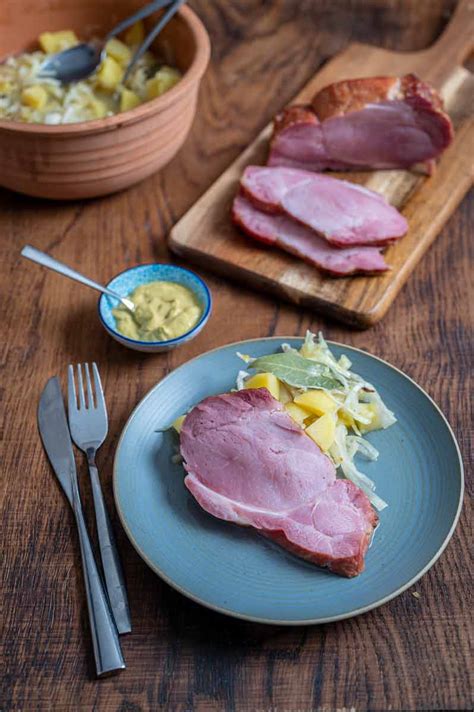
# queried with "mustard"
point(164, 311)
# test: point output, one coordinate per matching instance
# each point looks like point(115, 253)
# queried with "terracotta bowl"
point(97, 157)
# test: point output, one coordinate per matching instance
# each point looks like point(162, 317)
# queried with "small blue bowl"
point(127, 281)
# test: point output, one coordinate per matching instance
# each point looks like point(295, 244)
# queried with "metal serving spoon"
point(46, 261)
point(81, 61)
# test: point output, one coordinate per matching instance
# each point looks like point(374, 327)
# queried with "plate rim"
point(274, 621)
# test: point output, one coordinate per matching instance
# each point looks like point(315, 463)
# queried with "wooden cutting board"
point(206, 236)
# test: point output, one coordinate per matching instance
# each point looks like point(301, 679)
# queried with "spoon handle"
point(45, 260)
point(139, 15)
point(173, 8)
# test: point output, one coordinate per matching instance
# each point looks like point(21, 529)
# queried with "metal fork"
point(88, 424)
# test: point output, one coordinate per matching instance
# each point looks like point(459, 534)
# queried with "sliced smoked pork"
point(281, 231)
point(343, 213)
point(249, 463)
point(380, 122)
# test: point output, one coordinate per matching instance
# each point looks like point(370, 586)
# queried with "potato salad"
point(24, 96)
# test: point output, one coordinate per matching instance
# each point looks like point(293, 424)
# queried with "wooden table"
point(412, 652)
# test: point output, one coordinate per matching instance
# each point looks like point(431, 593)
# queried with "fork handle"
point(139, 15)
point(113, 572)
point(105, 641)
point(172, 10)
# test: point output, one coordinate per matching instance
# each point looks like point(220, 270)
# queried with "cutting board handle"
point(457, 41)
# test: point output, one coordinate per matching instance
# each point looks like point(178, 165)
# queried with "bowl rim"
point(169, 342)
point(194, 73)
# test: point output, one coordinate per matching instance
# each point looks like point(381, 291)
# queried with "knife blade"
point(55, 435)
point(54, 431)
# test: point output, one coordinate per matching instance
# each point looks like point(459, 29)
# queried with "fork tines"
point(94, 400)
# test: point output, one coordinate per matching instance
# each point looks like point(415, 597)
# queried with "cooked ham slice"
point(343, 213)
point(380, 122)
point(249, 463)
point(302, 241)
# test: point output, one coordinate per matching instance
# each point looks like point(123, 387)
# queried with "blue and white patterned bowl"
point(127, 281)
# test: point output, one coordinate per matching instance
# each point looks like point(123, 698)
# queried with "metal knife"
point(56, 439)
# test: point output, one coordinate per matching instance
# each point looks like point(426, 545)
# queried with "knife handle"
point(105, 640)
point(111, 565)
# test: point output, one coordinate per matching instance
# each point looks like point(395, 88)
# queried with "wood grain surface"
point(206, 235)
point(413, 653)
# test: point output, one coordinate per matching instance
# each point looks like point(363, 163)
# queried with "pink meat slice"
point(281, 231)
point(343, 213)
point(249, 463)
point(377, 122)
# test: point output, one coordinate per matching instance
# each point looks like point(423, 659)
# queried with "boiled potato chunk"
point(52, 42)
point(317, 402)
point(35, 96)
point(118, 51)
point(177, 425)
point(128, 100)
point(109, 75)
point(323, 431)
point(369, 410)
point(136, 34)
point(285, 395)
point(265, 380)
point(98, 108)
point(164, 79)
point(297, 413)
point(6, 86)
point(346, 419)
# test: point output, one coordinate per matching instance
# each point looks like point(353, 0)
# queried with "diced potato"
point(164, 79)
point(118, 51)
point(6, 86)
point(98, 108)
point(345, 418)
point(265, 380)
point(323, 431)
point(136, 34)
point(110, 74)
point(35, 96)
point(369, 410)
point(317, 402)
point(297, 413)
point(128, 99)
point(52, 42)
point(178, 423)
point(285, 395)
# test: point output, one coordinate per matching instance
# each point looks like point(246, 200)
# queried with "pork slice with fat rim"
point(345, 214)
point(249, 463)
point(297, 239)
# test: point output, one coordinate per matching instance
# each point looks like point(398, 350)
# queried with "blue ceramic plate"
point(233, 570)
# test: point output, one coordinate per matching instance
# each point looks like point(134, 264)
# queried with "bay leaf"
point(296, 371)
